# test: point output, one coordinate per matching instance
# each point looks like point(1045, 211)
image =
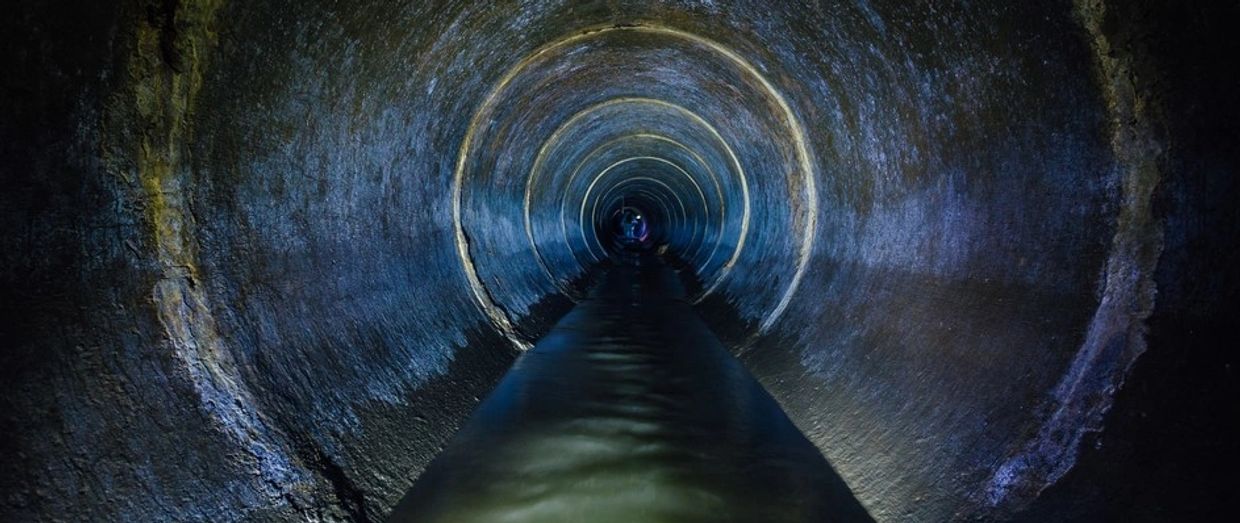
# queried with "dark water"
point(629, 410)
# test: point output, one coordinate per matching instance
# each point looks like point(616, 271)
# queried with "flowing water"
point(629, 410)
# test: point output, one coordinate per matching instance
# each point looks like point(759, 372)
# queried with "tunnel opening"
point(632, 229)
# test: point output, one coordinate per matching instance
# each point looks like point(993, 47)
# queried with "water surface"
point(629, 410)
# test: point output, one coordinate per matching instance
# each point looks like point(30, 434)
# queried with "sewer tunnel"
point(265, 260)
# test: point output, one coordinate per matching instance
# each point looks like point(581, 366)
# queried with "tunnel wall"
point(238, 289)
point(151, 377)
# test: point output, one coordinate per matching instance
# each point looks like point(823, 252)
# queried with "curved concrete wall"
point(309, 235)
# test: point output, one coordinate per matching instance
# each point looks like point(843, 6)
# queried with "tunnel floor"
point(630, 409)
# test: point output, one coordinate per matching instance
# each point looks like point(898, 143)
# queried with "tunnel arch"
point(801, 170)
point(735, 185)
point(309, 235)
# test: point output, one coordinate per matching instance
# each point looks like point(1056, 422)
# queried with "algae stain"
point(150, 120)
point(166, 71)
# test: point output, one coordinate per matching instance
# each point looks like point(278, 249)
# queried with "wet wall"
point(263, 260)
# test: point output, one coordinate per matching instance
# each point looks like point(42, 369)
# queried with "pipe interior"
point(299, 240)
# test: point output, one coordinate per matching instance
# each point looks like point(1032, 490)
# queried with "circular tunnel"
point(311, 236)
point(631, 111)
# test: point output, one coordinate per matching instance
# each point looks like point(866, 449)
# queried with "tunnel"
point(264, 261)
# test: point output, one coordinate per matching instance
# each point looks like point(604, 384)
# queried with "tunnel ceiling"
point(314, 233)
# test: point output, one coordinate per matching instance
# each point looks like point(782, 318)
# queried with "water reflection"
point(629, 411)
